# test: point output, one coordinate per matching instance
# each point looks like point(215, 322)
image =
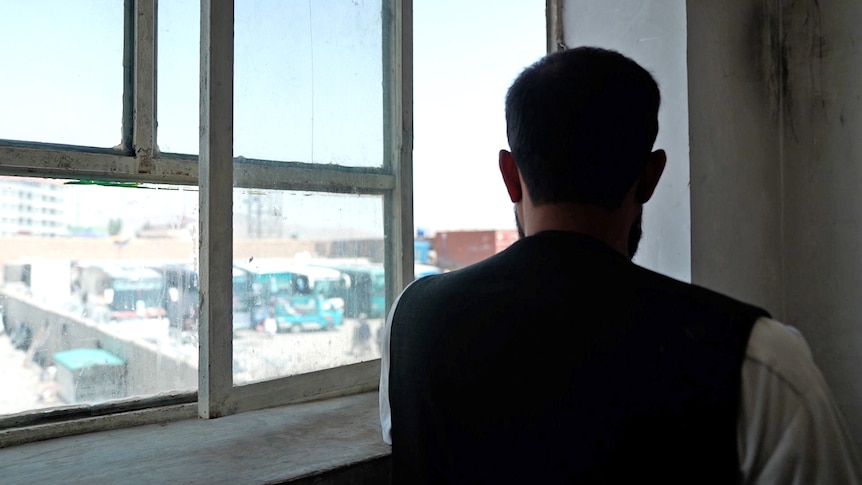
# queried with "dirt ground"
point(23, 384)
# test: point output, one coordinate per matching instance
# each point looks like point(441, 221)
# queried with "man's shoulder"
point(656, 285)
point(788, 412)
point(485, 271)
point(781, 350)
point(447, 286)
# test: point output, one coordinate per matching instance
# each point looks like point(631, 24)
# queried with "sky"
point(306, 88)
point(466, 54)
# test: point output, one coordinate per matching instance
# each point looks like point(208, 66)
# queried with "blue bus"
point(111, 291)
point(365, 293)
point(295, 295)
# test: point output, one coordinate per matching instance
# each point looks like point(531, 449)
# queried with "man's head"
point(581, 125)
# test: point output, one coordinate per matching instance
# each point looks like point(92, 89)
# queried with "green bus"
point(365, 293)
point(297, 296)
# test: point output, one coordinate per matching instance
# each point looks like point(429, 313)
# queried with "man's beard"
point(635, 232)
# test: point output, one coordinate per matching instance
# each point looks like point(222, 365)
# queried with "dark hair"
point(581, 124)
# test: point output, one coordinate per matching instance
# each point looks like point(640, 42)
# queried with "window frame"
point(137, 159)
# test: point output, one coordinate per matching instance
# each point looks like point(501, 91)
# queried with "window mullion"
point(127, 129)
point(216, 201)
point(144, 119)
point(398, 133)
point(554, 25)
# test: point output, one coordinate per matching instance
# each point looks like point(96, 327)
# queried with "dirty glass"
point(308, 282)
point(307, 80)
point(95, 292)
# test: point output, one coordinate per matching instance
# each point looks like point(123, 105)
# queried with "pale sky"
point(466, 54)
point(307, 87)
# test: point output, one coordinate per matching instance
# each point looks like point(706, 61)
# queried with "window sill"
point(278, 445)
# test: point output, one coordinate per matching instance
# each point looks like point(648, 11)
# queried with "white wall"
point(652, 32)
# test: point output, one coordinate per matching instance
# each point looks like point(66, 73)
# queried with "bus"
point(295, 295)
point(112, 291)
point(365, 292)
point(182, 292)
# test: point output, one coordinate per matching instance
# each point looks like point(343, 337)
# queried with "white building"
point(32, 207)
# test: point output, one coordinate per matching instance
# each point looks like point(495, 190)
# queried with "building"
point(32, 206)
point(456, 249)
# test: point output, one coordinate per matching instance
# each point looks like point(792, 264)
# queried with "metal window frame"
point(216, 171)
point(556, 39)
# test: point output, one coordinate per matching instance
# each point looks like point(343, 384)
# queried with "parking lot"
point(258, 355)
point(24, 384)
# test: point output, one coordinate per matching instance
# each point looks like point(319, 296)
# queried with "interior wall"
point(652, 32)
point(734, 131)
point(776, 210)
point(822, 151)
point(762, 115)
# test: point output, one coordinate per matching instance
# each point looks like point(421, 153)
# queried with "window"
point(183, 268)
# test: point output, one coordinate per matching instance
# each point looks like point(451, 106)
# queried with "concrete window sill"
point(332, 441)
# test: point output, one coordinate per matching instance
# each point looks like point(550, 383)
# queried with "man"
point(559, 360)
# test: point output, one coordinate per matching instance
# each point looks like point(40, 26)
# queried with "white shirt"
point(790, 431)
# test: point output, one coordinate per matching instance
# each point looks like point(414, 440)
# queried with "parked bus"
point(295, 295)
point(365, 293)
point(113, 292)
point(181, 295)
point(421, 270)
point(365, 290)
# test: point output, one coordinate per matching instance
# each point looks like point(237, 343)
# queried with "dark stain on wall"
point(767, 54)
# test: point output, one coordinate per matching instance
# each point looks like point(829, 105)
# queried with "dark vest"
point(558, 360)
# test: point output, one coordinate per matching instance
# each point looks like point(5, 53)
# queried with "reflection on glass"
point(62, 80)
point(96, 292)
point(308, 282)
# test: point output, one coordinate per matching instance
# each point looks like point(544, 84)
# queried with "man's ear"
point(511, 176)
point(650, 176)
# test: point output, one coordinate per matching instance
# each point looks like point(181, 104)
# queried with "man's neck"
point(609, 226)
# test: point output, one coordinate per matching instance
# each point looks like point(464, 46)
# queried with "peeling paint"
point(145, 159)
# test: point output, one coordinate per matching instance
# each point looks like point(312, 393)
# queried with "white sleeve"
point(383, 394)
point(790, 431)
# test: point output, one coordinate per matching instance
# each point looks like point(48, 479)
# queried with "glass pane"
point(308, 81)
point(91, 307)
point(62, 78)
point(308, 282)
point(460, 86)
point(178, 78)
